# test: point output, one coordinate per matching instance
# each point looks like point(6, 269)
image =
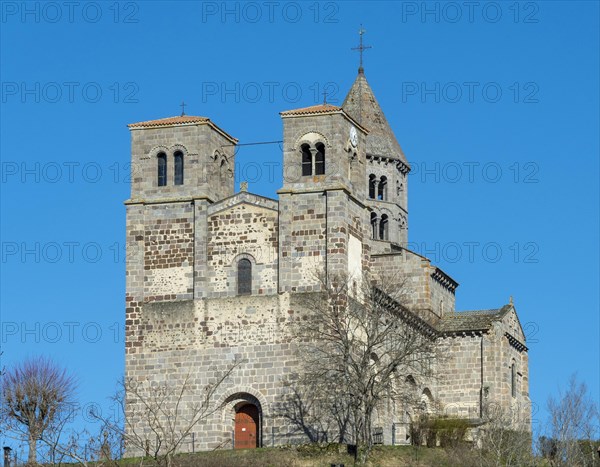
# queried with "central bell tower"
point(386, 168)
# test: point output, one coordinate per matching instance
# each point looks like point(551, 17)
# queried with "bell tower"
point(386, 179)
point(323, 220)
point(180, 166)
point(180, 157)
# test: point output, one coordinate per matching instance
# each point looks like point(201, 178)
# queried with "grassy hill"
point(317, 456)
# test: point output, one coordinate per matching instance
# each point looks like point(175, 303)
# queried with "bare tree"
point(357, 340)
point(158, 419)
point(66, 445)
point(505, 438)
point(573, 428)
point(34, 393)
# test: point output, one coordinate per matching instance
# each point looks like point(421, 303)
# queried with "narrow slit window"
point(178, 159)
point(162, 169)
point(382, 191)
point(372, 182)
point(374, 225)
point(513, 380)
point(383, 227)
point(306, 160)
point(244, 277)
point(320, 159)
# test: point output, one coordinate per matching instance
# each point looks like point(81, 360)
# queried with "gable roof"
point(313, 109)
point(243, 197)
point(322, 109)
point(362, 106)
point(181, 121)
point(473, 320)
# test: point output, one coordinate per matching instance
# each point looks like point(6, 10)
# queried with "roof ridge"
point(480, 311)
point(170, 120)
point(318, 108)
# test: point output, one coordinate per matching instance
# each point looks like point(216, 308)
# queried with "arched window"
point(244, 282)
point(178, 159)
point(320, 159)
point(426, 401)
point(513, 380)
point(382, 189)
point(383, 227)
point(372, 182)
point(162, 169)
point(306, 160)
point(374, 225)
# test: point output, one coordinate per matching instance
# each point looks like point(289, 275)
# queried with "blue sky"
point(495, 107)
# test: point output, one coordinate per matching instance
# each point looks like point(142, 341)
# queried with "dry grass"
point(311, 456)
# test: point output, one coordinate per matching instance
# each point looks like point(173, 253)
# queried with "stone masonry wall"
point(478, 365)
point(501, 354)
point(302, 240)
point(243, 230)
point(168, 252)
point(204, 150)
point(200, 339)
point(459, 373)
point(412, 273)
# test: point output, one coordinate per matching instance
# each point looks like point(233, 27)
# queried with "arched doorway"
point(247, 423)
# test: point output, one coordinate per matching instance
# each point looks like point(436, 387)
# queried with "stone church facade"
point(213, 275)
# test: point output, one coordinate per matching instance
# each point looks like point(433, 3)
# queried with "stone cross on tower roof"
point(361, 48)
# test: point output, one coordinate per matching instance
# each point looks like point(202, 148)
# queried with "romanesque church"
point(211, 274)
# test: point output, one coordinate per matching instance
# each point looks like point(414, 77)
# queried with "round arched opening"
point(247, 426)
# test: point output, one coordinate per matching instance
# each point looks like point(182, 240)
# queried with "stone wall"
point(475, 374)
point(168, 251)
point(208, 162)
point(200, 339)
point(243, 230)
point(459, 371)
point(412, 275)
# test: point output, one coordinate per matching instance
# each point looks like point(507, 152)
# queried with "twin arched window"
point(380, 227)
point(244, 277)
point(162, 168)
point(313, 159)
point(378, 188)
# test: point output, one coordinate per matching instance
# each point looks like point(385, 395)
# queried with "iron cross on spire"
point(183, 104)
point(361, 48)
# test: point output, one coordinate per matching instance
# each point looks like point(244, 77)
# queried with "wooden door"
point(246, 427)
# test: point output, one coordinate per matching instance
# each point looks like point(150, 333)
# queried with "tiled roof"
point(181, 120)
point(314, 109)
point(169, 121)
point(361, 105)
point(475, 320)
